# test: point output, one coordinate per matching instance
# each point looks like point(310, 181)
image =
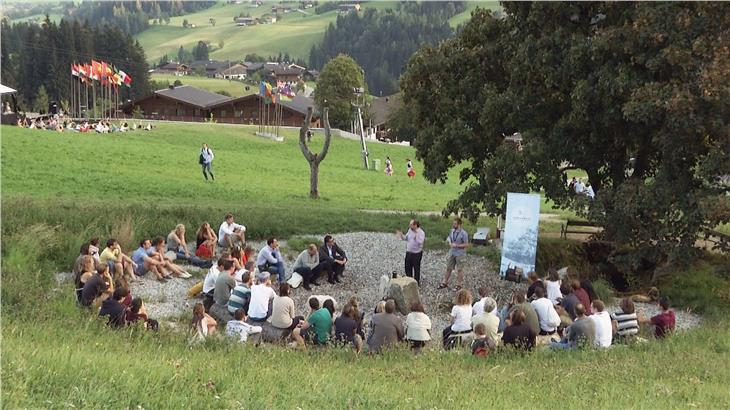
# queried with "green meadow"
point(60, 189)
point(295, 33)
point(215, 85)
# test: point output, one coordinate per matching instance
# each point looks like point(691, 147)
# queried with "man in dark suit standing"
point(334, 257)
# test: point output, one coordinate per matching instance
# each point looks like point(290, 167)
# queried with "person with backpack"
point(206, 161)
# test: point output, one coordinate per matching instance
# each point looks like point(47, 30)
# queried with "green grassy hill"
point(60, 189)
point(295, 33)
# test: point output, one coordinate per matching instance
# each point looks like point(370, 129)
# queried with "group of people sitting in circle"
point(239, 291)
point(58, 124)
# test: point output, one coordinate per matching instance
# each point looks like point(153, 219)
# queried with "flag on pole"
point(95, 70)
point(126, 78)
point(74, 70)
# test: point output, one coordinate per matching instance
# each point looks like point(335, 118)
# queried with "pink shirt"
point(415, 240)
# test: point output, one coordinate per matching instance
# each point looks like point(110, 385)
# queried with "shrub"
point(604, 290)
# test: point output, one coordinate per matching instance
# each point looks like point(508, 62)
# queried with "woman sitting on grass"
point(176, 242)
point(138, 312)
point(552, 286)
point(418, 327)
point(346, 329)
point(202, 324)
point(359, 315)
point(625, 322)
point(205, 242)
point(283, 314)
point(86, 271)
point(460, 318)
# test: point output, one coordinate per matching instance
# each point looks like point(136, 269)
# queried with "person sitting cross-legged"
point(546, 313)
point(346, 329)
point(283, 314)
point(581, 333)
point(309, 266)
point(386, 328)
point(241, 294)
point(239, 329)
point(317, 329)
point(602, 323)
point(118, 262)
point(270, 260)
point(97, 288)
point(262, 297)
point(482, 344)
point(334, 257)
point(224, 284)
point(518, 334)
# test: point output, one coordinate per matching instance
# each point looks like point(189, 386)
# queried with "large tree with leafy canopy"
point(635, 94)
point(335, 89)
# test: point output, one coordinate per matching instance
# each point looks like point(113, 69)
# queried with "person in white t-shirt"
point(589, 191)
point(259, 308)
point(546, 313)
point(579, 187)
point(460, 317)
point(602, 323)
point(230, 232)
point(239, 329)
point(552, 286)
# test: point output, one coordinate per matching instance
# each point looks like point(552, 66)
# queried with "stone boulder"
point(404, 291)
point(383, 286)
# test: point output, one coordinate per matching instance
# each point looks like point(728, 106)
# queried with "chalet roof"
point(299, 103)
point(284, 70)
point(171, 65)
point(233, 70)
point(193, 96)
point(383, 107)
point(211, 64)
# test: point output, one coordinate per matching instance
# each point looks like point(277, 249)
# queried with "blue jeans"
point(561, 345)
point(275, 269)
point(209, 168)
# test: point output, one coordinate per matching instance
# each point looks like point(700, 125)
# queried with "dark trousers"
point(334, 270)
point(311, 275)
point(413, 265)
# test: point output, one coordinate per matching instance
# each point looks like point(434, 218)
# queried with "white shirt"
point(266, 254)
point(553, 290)
point(259, 305)
point(579, 187)
point(418, 324)
point(604, 331)
point(228, 229)
point(241, 330)
point(462, 318)
point(210, 278)
point(478, 307)
point(546, 313)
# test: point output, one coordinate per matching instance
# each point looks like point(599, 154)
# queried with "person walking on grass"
point(206, 161)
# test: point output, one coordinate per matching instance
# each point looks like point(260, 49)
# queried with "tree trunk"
point(314, 179)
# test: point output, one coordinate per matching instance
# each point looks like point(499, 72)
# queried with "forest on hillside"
point(382, 41)
point(36, 59)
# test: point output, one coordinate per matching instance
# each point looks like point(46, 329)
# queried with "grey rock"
point(404, 291)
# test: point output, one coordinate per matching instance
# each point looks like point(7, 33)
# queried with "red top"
point(204, 252)
point(664, 323)
point(582, 296)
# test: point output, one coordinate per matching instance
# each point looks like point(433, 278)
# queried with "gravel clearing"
point(370, 255)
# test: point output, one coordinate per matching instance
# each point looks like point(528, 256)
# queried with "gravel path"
point(370, 255)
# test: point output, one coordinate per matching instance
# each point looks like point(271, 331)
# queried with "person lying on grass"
point(119, 263)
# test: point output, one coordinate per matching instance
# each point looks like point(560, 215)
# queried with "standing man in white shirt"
point(206, 161)
point(415, 237)
point(231, 232)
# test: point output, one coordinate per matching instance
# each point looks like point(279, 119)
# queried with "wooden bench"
point(586, 228)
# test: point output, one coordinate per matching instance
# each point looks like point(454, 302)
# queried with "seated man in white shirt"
point(546, 313)
point(230, 232)
point(602, 322)
point(262, 297)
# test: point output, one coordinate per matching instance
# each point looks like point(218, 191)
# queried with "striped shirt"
point(238, 298)
point(627, 323)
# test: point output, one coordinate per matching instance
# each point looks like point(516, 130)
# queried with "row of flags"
point(105, 73)
point(282, 92)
